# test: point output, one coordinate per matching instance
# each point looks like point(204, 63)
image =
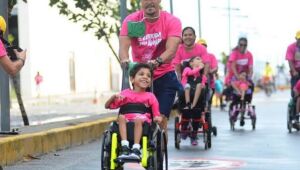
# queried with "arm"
point(213, 71)
point(13, 67)
point(233, 67)
point(124, 43)
point(171, 48)
point(250, 72)
point(292, 68)
point(109, 101)
point(178, 71)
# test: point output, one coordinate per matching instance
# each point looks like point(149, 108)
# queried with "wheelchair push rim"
point(105, 151)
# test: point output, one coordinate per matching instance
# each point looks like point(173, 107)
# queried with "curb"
point(15, 148)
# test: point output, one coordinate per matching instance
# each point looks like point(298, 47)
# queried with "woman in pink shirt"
point(11, 67)
point(189, 49)
point(241, 60)
point(293, 57)
point(140, 77)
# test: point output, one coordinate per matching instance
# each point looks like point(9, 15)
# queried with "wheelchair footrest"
point(127, 160)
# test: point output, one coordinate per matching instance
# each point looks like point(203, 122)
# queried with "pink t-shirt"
point(291, 55)
point(153, 43)
point(189, 72)
point(242, 85)
point(131, 96)
point(213, 64)
point(297, 86)
point(2, 50)
point(183, 55)
point(243, 61)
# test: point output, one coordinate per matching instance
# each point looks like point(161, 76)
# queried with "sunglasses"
point(243, 45)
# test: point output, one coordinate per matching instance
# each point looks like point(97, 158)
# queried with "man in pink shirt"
point(293, 57)
point(9, 66)
point(153, 36)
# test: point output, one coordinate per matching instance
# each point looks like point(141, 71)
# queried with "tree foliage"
point(100, 16)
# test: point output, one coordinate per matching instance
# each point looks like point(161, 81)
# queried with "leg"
point(122, 127)
point(197, 95)
point(138, 130)
point(165, 89)
point(123, 133)
point(187, 96)
point(242, 94)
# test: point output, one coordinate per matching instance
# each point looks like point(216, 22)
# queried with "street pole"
point(123, 10)
point(199, 17)
point(229, 26)
point(171, 6)
point(4, 83)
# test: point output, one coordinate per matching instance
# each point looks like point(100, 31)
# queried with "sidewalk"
point(59, 108)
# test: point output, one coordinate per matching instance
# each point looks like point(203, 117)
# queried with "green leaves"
point(100, 16)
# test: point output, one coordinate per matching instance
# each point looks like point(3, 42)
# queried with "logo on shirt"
point(242, 61)
point(150, 39)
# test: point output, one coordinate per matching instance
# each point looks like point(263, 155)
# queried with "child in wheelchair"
point(241, 85)
point(193, 81)
point(241, 97)
point(140, 77)
point(192, 72)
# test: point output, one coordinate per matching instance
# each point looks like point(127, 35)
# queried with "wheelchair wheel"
point(105, 151)
point(161, 155)
point(253, 123)
point(289, 120)
point(177, 133)
point(253, 118)
point(208, 131)
point(214, 131)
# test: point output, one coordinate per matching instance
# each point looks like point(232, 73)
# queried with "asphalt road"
point(269, 147)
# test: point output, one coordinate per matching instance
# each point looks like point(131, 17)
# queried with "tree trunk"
point(16, 84)
point(112, 49)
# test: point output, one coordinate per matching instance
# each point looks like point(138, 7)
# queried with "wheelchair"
point(153, 143)
point(242, 109)
point(196, 120)
point(292, 116)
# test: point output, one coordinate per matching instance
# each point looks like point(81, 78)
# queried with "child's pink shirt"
point(131, 96)
point(189, 72)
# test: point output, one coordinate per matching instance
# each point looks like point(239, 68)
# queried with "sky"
point(269, 25)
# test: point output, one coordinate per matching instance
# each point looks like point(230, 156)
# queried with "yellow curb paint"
point(14, 148)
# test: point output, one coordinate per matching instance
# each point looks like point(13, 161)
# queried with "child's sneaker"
point(135, 154)
point(125, 152)
point(194, 141)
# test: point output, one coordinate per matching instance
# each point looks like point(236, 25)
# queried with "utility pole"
point(199, 17)
point(229, 26)
point(4, 83)
point(123, 9)
point(171, 6)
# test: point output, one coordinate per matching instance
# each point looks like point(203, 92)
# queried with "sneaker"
point(125, 152)
point(194, 142)
point(135, 154)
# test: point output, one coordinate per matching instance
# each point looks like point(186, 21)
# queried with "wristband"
point(159, 61)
